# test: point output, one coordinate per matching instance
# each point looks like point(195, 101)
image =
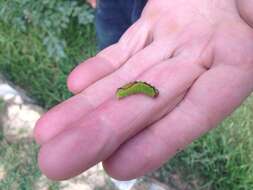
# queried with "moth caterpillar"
point(137, 87)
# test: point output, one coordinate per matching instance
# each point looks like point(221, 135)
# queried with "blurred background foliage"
point(42, 41)
point(51, 17)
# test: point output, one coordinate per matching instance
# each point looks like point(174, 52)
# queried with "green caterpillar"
point(137, 87)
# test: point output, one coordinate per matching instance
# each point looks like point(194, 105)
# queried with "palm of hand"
point(200, 61)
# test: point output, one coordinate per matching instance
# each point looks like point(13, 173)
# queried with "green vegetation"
point(41, 69)
point(222, 159)
point(25, 60)
point(1, 105)
point(18, 166)
point(51, 17)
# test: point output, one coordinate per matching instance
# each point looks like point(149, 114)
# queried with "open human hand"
point(198, 53)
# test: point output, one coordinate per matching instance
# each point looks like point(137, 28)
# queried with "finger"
point(214, 96)
point(93, 3)
point(117, 120)
point(70, 111)
point(110, 59)
point(245, 7)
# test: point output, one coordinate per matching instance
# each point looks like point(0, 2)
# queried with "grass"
point(222, 159)
point(18, 166)
point(1, 105)
point(25, 61)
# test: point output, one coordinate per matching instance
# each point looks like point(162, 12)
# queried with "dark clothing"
point(113, 17)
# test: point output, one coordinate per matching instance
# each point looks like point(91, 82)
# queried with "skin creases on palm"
point(201, 62)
